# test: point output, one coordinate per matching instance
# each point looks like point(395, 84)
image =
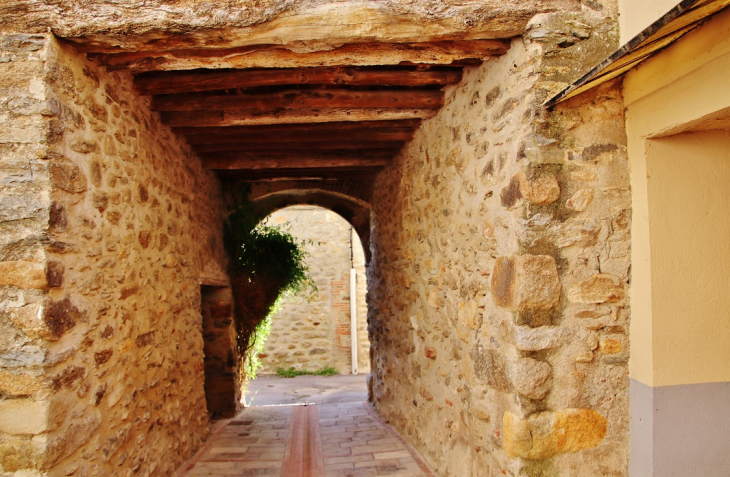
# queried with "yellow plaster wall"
point(671, 93)
point(641, 363)
point(689, 209)
point(636, 15)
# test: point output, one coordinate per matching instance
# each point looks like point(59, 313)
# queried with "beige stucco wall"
point(635, 16)
point(681, 89)
point(313, 332)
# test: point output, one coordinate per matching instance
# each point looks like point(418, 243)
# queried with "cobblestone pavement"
point(319, 440)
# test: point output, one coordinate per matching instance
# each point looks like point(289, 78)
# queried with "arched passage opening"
point(324, 330)
point(315, 332)
point(352, 209)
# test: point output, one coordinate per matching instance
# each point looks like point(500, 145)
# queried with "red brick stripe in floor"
point(304, 449)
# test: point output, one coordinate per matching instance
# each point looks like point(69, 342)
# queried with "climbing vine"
point(266, 263)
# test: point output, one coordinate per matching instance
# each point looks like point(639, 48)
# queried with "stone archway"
point(326, 328)
point(355, 211)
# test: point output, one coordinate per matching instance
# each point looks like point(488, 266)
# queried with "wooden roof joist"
point(294, 100)
point(306, 129)
point(241, 136)
point(172, 82)
point(237, 118)
point(364, 175)
point(334, 144)
point(262, 111)
point(331, 162)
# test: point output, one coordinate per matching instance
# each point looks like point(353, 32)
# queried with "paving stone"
point(349, 441)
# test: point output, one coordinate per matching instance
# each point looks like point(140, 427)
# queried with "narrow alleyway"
point(337, 439)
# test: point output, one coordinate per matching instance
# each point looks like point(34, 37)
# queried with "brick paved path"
point(345, 439)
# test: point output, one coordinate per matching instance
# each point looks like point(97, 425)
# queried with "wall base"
point(680, 430)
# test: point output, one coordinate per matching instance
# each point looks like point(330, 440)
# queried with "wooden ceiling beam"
point(343, 127)
point(306, 137)
point(277, 56)
point(290, 147)
point(300, 99)
point(312, 161)
point(170, 82)
point(223, 118)
point(365, 175)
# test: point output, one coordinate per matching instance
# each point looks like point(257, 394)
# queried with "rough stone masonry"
point(108, 225)
point(499, 241)
point(498, 308)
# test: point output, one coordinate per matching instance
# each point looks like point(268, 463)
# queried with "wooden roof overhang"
point(680, 20)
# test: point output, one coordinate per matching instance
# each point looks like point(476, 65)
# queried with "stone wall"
point(109, 225)
point(28, 124)
point(312, 334)
point(500, 269)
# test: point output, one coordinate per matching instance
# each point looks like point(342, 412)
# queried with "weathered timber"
point(312, 161)
point(364, 174)
point(292, 147)
point(303, 128)
point(170, 82)
point(222, 118)
point(274, 56)
point(302, 99)
point(296, 136)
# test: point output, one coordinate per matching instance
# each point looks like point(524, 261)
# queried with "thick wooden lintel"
point(222, 118)
point(294, 100)
point(274, 56)
point(105, 26)
point(171, 82)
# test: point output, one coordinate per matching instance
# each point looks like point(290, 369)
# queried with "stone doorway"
point(216, 309)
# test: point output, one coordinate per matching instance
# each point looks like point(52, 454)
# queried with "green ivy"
point(266, 264)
